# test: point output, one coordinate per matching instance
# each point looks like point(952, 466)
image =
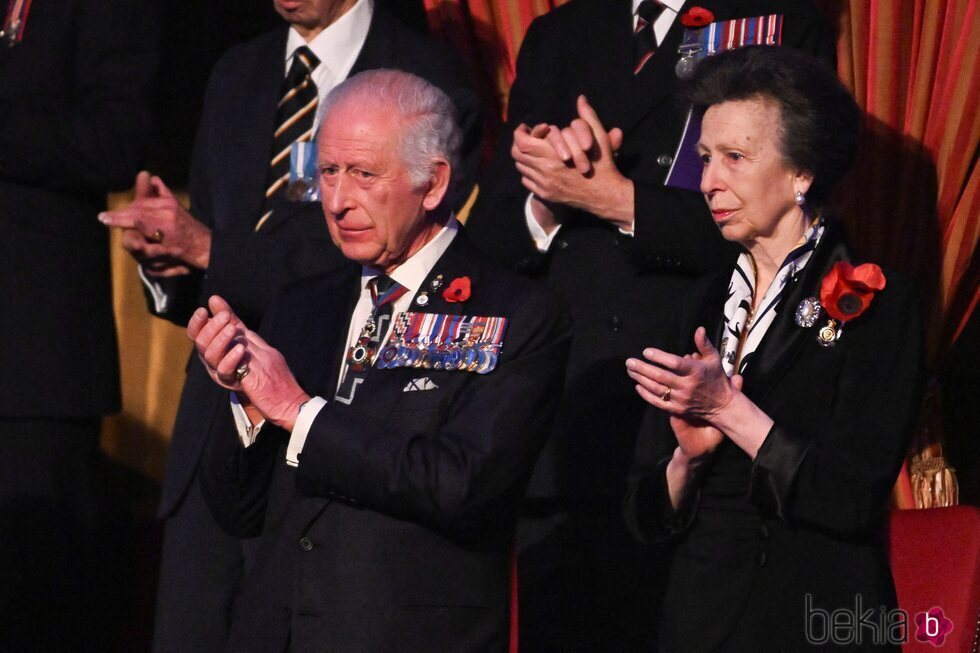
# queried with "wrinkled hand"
point(575, 166)
point(159, 232)
point(224, 344)
point(695, 437)
point(698, 385)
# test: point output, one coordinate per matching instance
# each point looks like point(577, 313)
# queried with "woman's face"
point(746, 182)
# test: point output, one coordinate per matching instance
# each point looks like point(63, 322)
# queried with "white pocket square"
point(420, 384)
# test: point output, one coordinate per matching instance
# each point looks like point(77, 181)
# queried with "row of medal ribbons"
point(468, 343)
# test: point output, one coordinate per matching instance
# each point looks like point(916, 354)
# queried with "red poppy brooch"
point(845, 293)
point(697, 17)
point(457, 291)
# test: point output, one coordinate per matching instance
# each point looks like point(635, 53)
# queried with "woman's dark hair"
point(820, 120)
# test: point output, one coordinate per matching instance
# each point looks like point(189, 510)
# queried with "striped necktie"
point(644, 40)
point(294, 122)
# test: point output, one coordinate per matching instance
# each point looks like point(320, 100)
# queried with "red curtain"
point(913, 200)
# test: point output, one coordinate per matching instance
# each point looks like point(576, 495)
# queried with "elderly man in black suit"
point(249, 233)
point(586, 208)
point(381, 461)
point(74, 120)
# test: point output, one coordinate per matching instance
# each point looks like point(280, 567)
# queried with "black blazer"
point(395, 531)
point(805, 517)
point(228, 176)
point(621, 289)
point(74, 123)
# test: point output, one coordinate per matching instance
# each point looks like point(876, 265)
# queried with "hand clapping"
point(239, 359)
point(575, 166)
point(693, 385)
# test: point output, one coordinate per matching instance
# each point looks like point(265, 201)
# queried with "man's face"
point(309, 17)
point(374, 214)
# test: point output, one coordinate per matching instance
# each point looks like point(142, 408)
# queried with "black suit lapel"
point(609, 75)
point(784, 339)
point(323, 326)
point(712, 314)
point(259, 115)
point(454, 263)
point(656, 83)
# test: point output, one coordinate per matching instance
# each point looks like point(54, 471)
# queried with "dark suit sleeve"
point(838, 479)
point(92, 138)
point(462, 473)
point(184, 292)
point(497, 221)
point(235, 479)
point(650, 515)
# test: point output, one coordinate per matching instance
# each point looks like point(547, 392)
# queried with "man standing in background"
point(254, 226)
point(74, 123)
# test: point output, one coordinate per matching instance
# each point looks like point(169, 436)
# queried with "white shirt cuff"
point(301, 428)
point(247, 433)
point(630, 232)
point(541, 239)
point(156, 291)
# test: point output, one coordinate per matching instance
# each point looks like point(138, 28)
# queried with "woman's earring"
point(800, 198)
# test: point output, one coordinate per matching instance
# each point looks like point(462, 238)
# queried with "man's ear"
point(438, 184)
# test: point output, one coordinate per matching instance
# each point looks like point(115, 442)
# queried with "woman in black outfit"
point(774, 438)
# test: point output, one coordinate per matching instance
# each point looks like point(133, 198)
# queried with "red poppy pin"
point(457, 291)
point(847, 291)
point(697, 17)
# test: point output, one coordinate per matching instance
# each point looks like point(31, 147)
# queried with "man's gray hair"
point(427, 114)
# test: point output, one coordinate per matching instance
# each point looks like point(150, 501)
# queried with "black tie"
point(294, 121)
point(644, 41)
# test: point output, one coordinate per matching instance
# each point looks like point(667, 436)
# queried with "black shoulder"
point(240, 59)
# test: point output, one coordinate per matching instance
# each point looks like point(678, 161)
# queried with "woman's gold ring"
point(241, 372)
point(666, 395)
point(157, 236)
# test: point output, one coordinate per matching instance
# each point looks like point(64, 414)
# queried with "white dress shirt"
point(543, 239)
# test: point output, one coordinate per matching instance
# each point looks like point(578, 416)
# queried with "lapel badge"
point(808, 312)
point(422, 299)
point(829, 334)
point(436, 283)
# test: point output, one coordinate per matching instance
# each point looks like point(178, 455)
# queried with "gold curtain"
point(152, 356)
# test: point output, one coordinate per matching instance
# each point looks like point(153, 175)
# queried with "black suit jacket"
point(74, 122)
point(805, 517)
point(394, 533)
point(228, 177)
point(621, 289)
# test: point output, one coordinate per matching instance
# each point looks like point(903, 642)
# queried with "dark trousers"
point(61, 535)
point(584, 584)
point(200, 572)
